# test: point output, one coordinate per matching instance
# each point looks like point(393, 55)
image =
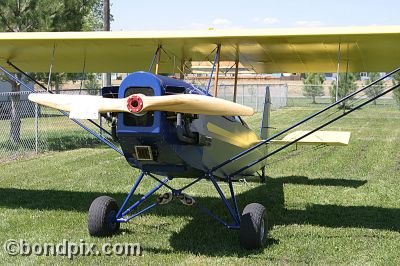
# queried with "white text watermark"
point(69, 249)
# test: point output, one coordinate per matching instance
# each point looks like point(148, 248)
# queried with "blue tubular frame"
point(123, 213)
point(104, 140)
point(154, 58)
point(216, 57)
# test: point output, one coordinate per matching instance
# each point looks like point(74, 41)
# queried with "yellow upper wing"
point(265, 51)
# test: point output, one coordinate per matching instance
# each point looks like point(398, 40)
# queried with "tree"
point(39, 15)
point(396, 92)
point(376, 89)
point(92, 84)
point(313, 85)
point(347, 85)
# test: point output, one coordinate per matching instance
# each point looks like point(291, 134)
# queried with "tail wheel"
point(253, 227)
point(102, 217)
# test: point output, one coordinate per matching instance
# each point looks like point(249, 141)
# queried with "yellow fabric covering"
point(264, 50)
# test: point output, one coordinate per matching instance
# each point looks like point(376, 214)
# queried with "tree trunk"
point(57, 84)
point(15, 118)
point(313, 99)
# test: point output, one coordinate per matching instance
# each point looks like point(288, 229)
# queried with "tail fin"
point(264, 132)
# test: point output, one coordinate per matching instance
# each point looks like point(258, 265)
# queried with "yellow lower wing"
point(332, 138)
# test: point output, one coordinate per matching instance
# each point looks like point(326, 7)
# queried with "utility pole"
point(106, 27)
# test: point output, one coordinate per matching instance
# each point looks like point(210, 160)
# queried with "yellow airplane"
point(167, 127)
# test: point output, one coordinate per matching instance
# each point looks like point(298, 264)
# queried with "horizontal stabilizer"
point(332, 138)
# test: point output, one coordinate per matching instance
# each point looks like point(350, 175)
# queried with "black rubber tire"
point(101, 218)
point(253, 227)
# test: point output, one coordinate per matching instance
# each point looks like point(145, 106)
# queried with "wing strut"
point(236, 79)
point(157, 56)
point(217, 71)
point(216, 58)
point(337, 74)
point(51, 67)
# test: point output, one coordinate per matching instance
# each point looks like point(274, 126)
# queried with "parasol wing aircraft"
point(168, 127)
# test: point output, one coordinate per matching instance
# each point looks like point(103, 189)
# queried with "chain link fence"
point(27, 128)
point(253, 95)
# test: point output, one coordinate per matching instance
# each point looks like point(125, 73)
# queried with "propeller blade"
point(80, 106)
point(84, 105)
point(186, 103)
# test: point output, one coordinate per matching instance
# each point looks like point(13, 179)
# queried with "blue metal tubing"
point(191, 184)
point(158, 180)
point(234, 158)
point(233, 213)
point(212, 70)
point(154, 58)
point(137, 182)
point(316, 129)
point(233, 198)
point(124, 220)
point(151, 192)
point(215, 217)
point(177, 191)
point(105, 141)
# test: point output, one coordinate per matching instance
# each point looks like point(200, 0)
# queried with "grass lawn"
point(332, 205)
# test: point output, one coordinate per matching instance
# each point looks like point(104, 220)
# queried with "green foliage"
point(347, 85)
point(26, 15)
point(73, 14)
point(375, 89)
point(396, 92)
point(92, 84)
point(313, 85)
point(94, 19)
point(47, 15)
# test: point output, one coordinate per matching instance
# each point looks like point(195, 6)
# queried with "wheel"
point(102, 214)
point(253, 227)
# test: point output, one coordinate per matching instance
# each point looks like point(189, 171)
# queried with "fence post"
point(100, 119)
point(36, 128)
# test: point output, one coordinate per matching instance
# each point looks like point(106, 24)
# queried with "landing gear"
point(105, 217)
point(253, 227)
point(102, 217)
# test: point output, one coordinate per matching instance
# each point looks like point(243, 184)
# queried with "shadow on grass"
point(203, 235)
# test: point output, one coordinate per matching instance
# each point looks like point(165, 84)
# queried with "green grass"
point(56, 133)
point(334, 205)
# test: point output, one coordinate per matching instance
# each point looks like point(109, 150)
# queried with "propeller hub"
point(135, 104)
